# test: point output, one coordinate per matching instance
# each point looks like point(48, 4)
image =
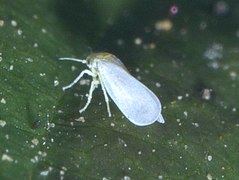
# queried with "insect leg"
point(106, 96)
point(86, 71)
point(92, 88)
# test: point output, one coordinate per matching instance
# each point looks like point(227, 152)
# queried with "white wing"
point(139, 104)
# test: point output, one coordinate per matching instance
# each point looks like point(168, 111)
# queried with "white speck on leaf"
point(2, 123)
point(195, 124)
point(209, 157)
point(214, 52)
point(1, 23)
point(209, 176)
point(43, 30)
point(19, 32)
point(11, 67)
point(6, 157)
point(138, 41)
point(46, 172)
point(157, 84)
point(80, 119)
point(3, 101)
point(35, 45)
point(185, 113)
point(56, 83)
point(35, 141)
point(14, 23)
point(35, 16)
point(127, 178)
point(180, 97)
point(206, 94)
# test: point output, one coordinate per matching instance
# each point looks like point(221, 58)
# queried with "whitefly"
point(138, 103)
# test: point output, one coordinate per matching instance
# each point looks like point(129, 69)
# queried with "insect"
point(138, 104)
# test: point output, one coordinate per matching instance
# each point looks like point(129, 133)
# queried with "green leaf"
point(192, 67)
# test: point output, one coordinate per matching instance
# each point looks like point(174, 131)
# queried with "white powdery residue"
point(64, 168)
point(3, 101)
point(214, 52)
point(209, 176)
point(157, 84)
point(206, 94)
point(195, 124)
point(29, 59)
point(19, 32)
point(35, 141)
point(233, 75)
point(56, 83)
point(62, 172)
point(42, 74)
point(35, 45)
point(42, 154)
point(6, 157)
point(50, 125)
point(14, 23)
point(214, 65)
point(35, 159)
point(122, 142)
point(46, 172)
point(209, 157)
point(138, 41)
point(185, 113)
point(104, 178)
point(73, 68)
point(43, 30)
point(80, 119)
point(185, 147)
point(85, 82)
point(11, 67)
point(1, 23)
point(126, 178)
point(180, 97)
point(77, 95)
point(35, 16)
point(2, 123)
point(60, 111)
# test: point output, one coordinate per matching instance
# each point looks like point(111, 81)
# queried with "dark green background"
point(36, 110)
